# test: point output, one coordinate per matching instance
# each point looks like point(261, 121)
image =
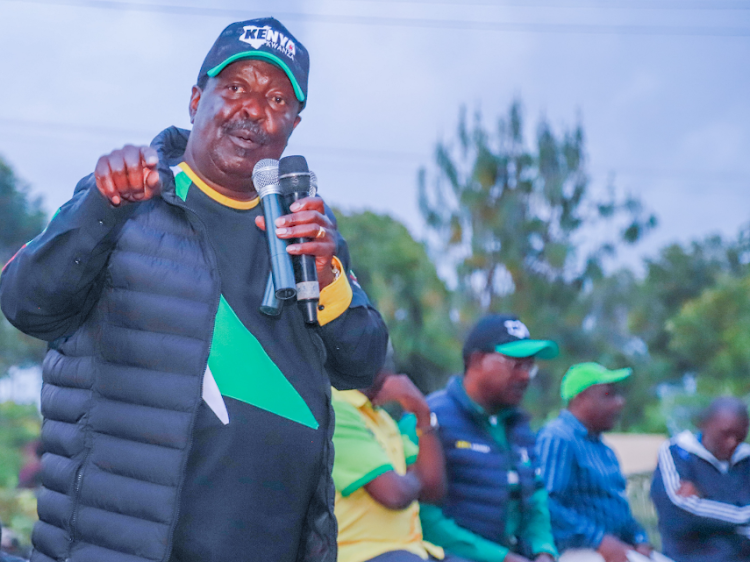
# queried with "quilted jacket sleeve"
point(49, 287)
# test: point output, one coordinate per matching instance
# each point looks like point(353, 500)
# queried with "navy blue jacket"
point(715, 526)
point(126, 298)
point(478, 469)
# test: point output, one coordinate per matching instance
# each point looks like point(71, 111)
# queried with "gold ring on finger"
point(321, 232)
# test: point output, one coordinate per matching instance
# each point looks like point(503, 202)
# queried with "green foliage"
point(399, 277)
point(711, 337)
point(677, 279)
point(19, 424)
point(17, 348)
point(509, 216)
point(18, 512)
point(20, 220)
point(677, 275)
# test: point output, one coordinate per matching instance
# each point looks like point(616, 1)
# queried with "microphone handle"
point(281, 262)
point(271, 306)
point(306, 274)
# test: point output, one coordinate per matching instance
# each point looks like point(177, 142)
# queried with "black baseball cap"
point(263, 39)
point(506, 334)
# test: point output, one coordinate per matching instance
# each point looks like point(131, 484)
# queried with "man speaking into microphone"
point(181, 424)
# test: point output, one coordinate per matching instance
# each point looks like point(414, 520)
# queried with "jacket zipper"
point(76, 504)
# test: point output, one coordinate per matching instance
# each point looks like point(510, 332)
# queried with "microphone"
point(294, 183)
point(271, 306)
point(266, 182)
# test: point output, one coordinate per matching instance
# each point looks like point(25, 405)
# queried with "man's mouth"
point(246, 137)
point(246, 134)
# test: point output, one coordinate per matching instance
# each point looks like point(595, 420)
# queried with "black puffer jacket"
point(127, 299)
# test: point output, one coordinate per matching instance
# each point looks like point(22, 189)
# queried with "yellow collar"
point(353, 397)
point(215, 195)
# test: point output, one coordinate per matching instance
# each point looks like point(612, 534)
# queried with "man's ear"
point(296, 121)
point(475, 360)
point(195, 98)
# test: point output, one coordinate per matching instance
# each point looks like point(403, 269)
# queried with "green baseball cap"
point(583, 375)
point(542, 349)
point(506, 334)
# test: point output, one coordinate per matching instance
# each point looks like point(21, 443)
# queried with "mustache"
point(247, 128)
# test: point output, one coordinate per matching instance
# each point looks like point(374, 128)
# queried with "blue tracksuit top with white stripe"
point(714, 526)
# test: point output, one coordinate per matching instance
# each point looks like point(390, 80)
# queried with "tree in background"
point(666, 310)
point(711, 337)
point(399, 277)
point(509, 223)
point(21, 219)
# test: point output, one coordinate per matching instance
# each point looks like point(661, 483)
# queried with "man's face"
point(723, 433)
point(241, 116)
point(504, 379)
point(605, 402)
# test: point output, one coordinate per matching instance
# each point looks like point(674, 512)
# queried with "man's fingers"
point(128, 174)
point(104, 181)
point(314, 232)
point(133, 168)
point(260, 222)
point(118, 172)
point(318, 249)
point(308, 203)
point(304, 217)
point(149, 156)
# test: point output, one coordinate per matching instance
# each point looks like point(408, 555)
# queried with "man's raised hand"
point(399, 388)
point(308, 220)
point(128, 174)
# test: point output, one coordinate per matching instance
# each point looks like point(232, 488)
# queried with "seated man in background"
point(380, 474)
point(701, 488)
point(591, 517)
point(495, 508)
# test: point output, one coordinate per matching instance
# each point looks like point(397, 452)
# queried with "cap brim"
point(604, 377)
point(615, 376)
point(543, 349)
point(265, 56)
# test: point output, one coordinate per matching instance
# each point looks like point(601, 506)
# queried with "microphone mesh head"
point(313, 184)
point(266, 176)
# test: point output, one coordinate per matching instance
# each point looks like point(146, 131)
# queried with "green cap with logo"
point(583, 375)
point(506, 334)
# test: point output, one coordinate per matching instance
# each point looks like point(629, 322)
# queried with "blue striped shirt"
point(585, 485)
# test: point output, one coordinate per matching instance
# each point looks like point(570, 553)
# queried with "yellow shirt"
point(368, 443)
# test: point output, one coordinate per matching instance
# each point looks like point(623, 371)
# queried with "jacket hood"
point(689, 442)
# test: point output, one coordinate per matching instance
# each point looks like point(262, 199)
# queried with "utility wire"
point(681, 5)
point(472, 25)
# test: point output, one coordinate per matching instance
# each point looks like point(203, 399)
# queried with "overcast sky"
point(662, 88)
